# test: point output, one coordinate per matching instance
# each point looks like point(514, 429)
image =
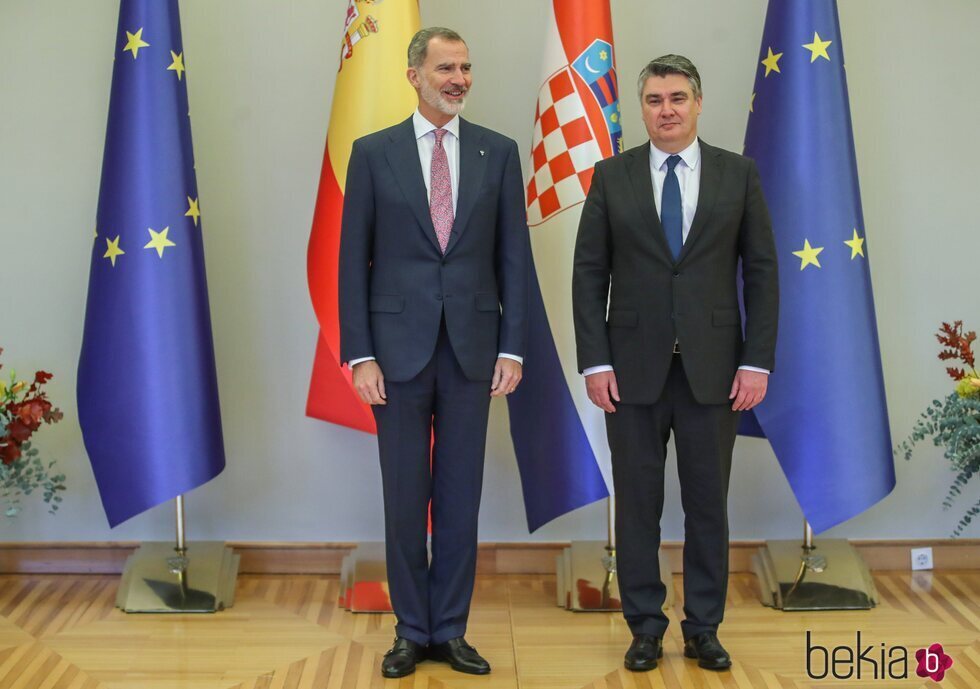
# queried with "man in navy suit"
point(434, 265)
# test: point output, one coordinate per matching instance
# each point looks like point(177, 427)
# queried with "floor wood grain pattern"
point(286, 632)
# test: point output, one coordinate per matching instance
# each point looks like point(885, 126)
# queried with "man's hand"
point(369, 382)
point(748, 389)
point(506, 375)
point(602, 390)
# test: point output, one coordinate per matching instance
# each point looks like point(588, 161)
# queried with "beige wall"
point(260, 74)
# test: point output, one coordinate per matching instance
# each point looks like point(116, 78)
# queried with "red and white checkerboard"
point(563, 150)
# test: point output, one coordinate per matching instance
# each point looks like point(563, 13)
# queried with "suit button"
point(677, 275)
point(438, 297)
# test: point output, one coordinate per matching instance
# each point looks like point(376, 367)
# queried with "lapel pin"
point(482, 152)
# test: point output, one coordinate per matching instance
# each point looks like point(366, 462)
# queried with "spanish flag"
point(371, 93)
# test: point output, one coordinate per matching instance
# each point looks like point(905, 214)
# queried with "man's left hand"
point(748, 389)
point(506, 375)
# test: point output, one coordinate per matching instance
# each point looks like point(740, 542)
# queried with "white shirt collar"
point(423, 126)
point(690, 155)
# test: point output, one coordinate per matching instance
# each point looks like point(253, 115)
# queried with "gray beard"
point(434, 98)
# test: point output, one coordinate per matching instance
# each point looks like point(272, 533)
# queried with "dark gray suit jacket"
point(654, 299)
point(395, 284)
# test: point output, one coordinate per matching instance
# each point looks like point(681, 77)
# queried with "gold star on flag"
point(603, 55)
point(772, 62)
point(135, 42)
point(818, 48)
point(857, 245)
point(159, 241)
point(95, 233)
point(178, 63)
point(192, 210)
point(808, 256)
point(112, 250)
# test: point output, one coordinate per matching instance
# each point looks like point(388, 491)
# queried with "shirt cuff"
point(518, 359)
point(753, 368)
point(354, 362)
point(597, 369)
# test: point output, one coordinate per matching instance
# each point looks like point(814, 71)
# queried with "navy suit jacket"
point(395, 283)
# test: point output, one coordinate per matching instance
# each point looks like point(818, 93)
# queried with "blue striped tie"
point(671, 213)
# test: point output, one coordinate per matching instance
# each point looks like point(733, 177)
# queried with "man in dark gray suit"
point(666, 224)
point(434, 265)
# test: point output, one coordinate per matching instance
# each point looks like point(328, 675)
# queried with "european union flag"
point(147, 388)
point(825, 412)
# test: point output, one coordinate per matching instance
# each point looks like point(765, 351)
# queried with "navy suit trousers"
point(431, 600)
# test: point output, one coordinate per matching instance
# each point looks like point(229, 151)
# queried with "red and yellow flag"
point(371, 93)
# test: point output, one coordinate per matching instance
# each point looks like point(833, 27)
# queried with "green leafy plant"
point(23, 409)
point(953, 423)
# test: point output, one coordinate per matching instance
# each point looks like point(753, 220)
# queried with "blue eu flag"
point(147, 388)
point(825, 412)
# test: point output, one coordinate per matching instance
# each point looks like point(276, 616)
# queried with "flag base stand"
point(364, 580)
point(161, 578)
point(587, 579)
point(828, 576)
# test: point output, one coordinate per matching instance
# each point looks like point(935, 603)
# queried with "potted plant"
point(953, 423)
point(24, 407)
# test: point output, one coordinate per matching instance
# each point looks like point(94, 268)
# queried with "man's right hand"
point(602, 390)
point(369, 382)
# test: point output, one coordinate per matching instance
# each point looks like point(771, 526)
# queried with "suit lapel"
point(472, 166)
point(402, 153)
point(711, 170)
point(642, 183)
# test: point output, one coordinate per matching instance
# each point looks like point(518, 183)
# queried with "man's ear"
point(413, 77)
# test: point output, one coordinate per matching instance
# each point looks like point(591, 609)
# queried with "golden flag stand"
point(164, 577)
point(797, 576)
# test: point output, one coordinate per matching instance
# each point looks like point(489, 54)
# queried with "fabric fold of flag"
point(825, 413)
point(371, 93)
point(576, 124)
point(147, 385)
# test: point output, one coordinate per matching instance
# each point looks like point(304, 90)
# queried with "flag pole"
point(611, 528)
point(181, 526)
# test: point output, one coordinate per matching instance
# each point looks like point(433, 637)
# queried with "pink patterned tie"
point(441, 194)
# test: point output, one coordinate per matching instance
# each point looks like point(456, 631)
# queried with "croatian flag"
point(559, 436)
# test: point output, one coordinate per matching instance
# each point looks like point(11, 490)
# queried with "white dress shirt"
point(425, 137)
point(688, 172)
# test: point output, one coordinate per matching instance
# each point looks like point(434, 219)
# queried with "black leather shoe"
point(401, 660)
point(461, 656)
point(644, 652)
point(708, 650)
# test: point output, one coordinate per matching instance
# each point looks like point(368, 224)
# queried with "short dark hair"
point(419, 45)
point(670, 64)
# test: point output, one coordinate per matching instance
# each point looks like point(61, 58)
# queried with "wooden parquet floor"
point(286, 632)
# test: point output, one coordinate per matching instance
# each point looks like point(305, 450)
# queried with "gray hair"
point(670, 64)
point(419, 45)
